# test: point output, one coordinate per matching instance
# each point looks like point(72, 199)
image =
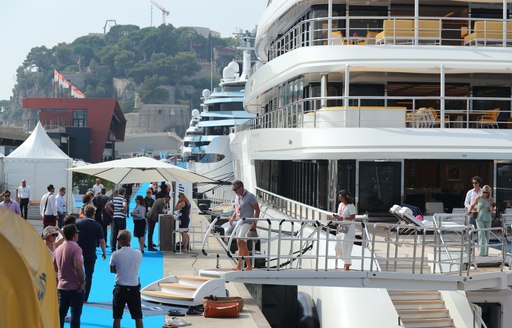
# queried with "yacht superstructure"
point(396, 101)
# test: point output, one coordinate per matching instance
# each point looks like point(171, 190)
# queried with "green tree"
point(152, 92)
point(123, 61)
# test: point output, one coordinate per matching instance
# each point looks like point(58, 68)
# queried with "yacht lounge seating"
point(488, 32)
point(396, 31)
point(337, 38)
point(490, 119)
point(429, 31)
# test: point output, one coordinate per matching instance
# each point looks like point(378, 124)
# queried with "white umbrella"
point(140, 170)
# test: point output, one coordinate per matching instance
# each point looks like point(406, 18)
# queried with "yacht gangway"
point(297, 247)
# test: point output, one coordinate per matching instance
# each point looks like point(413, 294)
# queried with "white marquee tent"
point(40, 162)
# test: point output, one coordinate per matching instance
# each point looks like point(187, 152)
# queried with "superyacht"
point(397, 102)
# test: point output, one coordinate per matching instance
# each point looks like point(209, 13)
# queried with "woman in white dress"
point(347, 212)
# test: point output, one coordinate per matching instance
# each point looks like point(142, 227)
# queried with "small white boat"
point(183, 290)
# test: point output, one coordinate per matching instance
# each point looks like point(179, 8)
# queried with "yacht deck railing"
point(390, 111)
point(393, 30)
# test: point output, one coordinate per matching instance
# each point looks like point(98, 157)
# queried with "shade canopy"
point(140, 170)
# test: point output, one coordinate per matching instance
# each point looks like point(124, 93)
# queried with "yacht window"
point(379, 186)
point(361, 26)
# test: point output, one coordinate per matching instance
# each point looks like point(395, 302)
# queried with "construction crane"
point(164, 11)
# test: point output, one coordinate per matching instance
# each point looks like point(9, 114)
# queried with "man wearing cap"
point(50, 234)
point(158, 208)
point(91, 233)
point(68, 263)
point(47, 207)
point(24, 197)
point(10, 204)
point(125, 264)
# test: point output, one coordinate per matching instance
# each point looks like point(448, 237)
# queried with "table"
point(463, 117)
point(356, 40)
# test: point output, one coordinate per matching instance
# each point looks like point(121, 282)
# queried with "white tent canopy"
point(40, 162)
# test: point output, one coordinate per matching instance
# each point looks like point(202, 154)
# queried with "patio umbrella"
point(140, 170)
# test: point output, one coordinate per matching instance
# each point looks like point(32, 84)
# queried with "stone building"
point(159, 118)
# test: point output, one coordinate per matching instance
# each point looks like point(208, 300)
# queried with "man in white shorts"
point(246, 208)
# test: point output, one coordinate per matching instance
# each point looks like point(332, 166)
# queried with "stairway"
point(421, 308)
point(183, 290)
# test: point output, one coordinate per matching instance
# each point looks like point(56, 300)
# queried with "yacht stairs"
point(417, 308)
point(183, 290)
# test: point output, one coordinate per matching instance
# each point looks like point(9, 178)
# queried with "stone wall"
point(159, 118)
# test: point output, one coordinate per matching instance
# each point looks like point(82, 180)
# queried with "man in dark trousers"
point(158, 208)
point(119, 209)
point(100, 201)
point(125, 264)
point(90, 234)
point(128, 187)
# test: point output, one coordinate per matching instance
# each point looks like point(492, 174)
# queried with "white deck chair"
point(395, 210)
point(408, 217)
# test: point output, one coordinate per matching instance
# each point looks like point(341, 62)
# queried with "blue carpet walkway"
point(98, 312)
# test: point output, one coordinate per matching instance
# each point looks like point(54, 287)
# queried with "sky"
point(25, 24)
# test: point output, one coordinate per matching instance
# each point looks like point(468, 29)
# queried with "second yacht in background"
point(206, 145)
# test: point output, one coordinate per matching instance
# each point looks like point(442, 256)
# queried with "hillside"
point(125, 62)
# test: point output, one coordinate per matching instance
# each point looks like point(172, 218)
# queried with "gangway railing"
point(290, 244)
point(298, 242)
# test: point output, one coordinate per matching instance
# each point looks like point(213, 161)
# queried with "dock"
point(189, 263)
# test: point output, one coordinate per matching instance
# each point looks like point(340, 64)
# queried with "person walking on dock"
point(247, 208)
point(24, 196)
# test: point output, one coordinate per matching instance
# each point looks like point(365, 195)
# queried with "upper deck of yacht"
point(391, 65)
point(294, 24)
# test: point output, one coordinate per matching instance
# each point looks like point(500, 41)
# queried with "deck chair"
point(404, 215)
point(407, 217)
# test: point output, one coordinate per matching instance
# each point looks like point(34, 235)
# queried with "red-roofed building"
point(81, 127)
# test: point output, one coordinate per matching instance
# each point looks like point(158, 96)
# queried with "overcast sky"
point(25, 24)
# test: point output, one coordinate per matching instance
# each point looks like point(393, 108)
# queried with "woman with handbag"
point(346, 212)
point(485, 206)
point(183, 207)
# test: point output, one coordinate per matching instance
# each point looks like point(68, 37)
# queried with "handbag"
point(342, 228)
point(222, 307)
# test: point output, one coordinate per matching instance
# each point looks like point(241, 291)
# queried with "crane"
point(164, 11)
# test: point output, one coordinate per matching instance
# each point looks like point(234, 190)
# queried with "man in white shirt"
point(471, 196)
point(125, 263)
point(47, 207)
point(96, 189)
point(24, 197)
